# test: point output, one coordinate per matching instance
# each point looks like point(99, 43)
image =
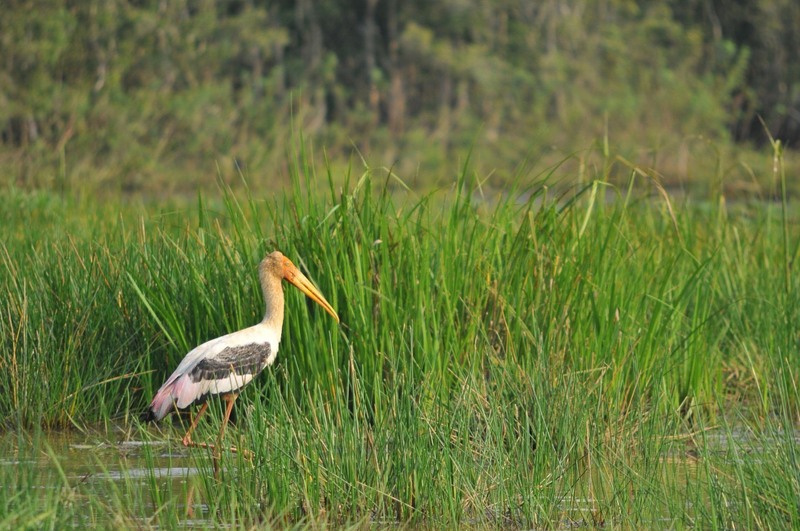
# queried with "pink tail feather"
point(163, 402)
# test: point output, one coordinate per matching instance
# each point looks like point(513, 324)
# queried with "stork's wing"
point(240, 360)
point(221, 365)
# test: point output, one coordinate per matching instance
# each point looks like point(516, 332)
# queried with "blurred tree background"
point(159, 96)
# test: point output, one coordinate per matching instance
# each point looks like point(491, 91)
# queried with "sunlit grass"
point(516, 360)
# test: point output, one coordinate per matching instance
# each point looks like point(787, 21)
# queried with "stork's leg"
point(230, 399)
point(187, 439)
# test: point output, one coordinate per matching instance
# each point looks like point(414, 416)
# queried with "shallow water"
point(108, 473)
point(110, 467)
point(87, 455)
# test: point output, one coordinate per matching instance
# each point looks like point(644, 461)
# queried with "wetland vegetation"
point(561, 237)
point(517, 360)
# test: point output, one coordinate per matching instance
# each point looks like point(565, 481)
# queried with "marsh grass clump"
point(513, 359)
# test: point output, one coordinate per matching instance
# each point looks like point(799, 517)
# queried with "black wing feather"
point(241, 360)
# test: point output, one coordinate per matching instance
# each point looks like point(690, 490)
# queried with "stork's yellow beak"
point(293, 275)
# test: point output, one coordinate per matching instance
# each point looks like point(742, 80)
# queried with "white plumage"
point(180, 390)
point(224, 365)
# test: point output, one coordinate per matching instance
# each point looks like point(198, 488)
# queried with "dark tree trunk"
point(370, 63)
point(397, 98)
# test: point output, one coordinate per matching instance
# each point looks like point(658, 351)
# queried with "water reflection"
point(109, 470)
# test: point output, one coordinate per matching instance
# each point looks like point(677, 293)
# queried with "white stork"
point(224, 365)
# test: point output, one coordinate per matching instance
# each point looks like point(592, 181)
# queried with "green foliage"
point(144, 96)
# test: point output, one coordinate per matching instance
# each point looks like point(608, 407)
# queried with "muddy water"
point(139, 478)
point(104, 474)
point(110, 470)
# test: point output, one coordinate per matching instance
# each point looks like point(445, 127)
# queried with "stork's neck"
point(273, 302)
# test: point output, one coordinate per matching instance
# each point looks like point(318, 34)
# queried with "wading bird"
point(224, 365)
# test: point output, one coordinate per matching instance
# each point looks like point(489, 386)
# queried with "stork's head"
point(276, 265)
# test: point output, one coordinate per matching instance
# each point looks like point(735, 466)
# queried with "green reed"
point(516, 359)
